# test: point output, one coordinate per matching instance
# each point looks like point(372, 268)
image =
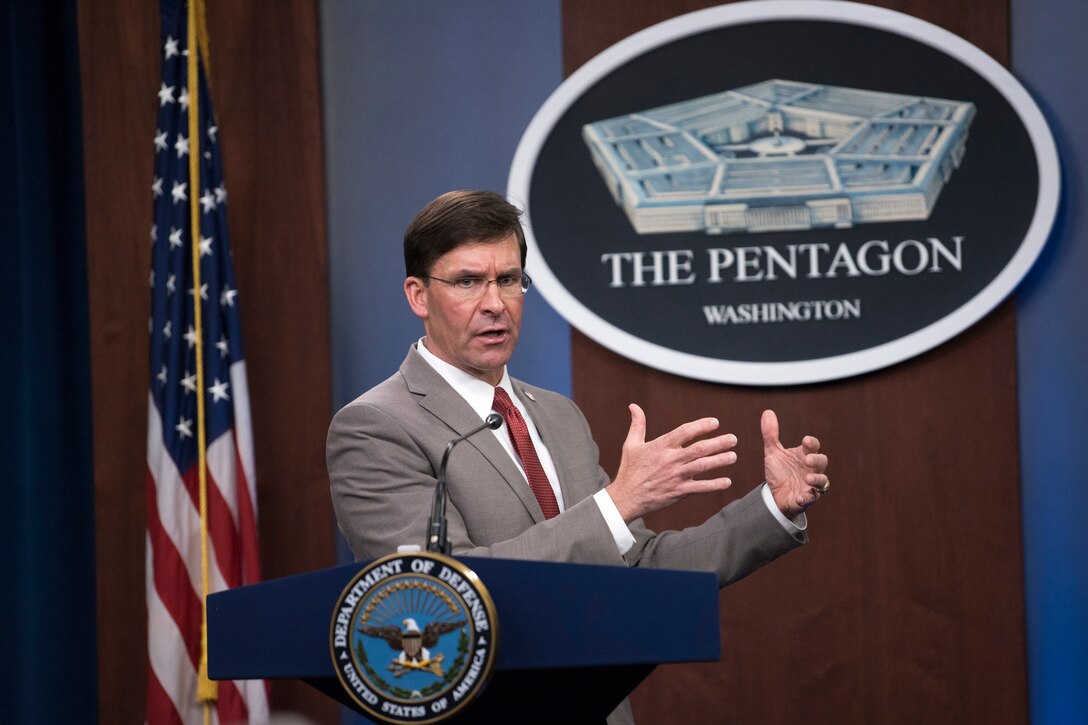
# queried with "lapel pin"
point(528, 395)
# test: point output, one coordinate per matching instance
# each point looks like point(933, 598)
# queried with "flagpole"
point(206, 690)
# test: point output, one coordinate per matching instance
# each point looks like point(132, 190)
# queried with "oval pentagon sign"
point(783, 192)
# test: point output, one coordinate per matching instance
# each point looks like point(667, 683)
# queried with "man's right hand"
point(655, 474)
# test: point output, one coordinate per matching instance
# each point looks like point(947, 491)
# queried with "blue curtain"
point(48, 609)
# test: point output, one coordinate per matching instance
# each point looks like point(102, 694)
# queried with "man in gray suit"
point(464, 259)
point(533, 488)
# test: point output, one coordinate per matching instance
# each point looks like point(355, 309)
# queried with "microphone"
point(437, 540)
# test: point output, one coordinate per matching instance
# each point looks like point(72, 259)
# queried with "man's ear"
point(416, 292)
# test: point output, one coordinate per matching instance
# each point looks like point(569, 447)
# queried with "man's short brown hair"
point(456, 218)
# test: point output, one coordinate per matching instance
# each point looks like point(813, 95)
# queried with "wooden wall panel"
point(118, 47)
point(266, 91)
point(907, 606)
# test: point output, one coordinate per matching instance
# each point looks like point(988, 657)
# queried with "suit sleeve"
point(734, 542)
point(383, 482)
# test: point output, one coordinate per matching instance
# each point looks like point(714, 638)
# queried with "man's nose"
point(492, 301)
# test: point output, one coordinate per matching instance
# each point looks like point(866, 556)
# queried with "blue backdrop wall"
point(1048, 39)
point(422, 97)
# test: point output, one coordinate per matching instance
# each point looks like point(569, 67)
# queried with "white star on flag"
point(208, 201)
point(161, 377)
point(203, 291)
point(167, 330)
point(156, 187)
point(212, 131)
point(184, 427)
point(220, 194)
point(219, 391)
point(171, 284)
point(171, 47)
point(183, 99)
point(166, 95)
point(224, 347)
point(160, 140)
point(175, 237)
point(206, 248)
point(226, 297)
point(188, 381)
point(177, 192)
point(154, 232)
point(190, 336)
point(182, 145)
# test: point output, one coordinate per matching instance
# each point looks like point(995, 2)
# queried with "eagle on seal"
point(411, 643)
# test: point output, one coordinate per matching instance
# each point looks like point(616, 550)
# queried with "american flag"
point(174, 579)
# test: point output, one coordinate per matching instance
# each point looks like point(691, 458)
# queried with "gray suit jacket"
point(383, 453)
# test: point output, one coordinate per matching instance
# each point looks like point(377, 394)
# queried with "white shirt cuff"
point(792, 527)
point(620, 533)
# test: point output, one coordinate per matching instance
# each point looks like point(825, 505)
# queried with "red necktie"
point(523, 444)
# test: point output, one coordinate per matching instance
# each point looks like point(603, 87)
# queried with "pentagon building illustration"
point(780, 155)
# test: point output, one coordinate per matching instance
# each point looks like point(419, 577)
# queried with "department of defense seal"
point(413, 637)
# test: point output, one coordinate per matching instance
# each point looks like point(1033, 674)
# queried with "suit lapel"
point(435, 395)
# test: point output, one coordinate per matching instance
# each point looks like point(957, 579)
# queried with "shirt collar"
point(477, 393)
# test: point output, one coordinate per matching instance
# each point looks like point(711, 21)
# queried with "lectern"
point(573, 640)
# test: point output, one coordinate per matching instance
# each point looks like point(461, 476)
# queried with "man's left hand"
point(795, 475)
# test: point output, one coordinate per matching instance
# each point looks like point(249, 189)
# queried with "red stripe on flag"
point(230, 705)
point(160, 708)
point(171, 578)
point(221, 529)
point(247, 519)
point(224, 534)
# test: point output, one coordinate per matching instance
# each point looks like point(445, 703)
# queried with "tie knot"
point(502, 403)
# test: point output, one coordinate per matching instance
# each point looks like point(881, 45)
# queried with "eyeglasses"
point(470, 288)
